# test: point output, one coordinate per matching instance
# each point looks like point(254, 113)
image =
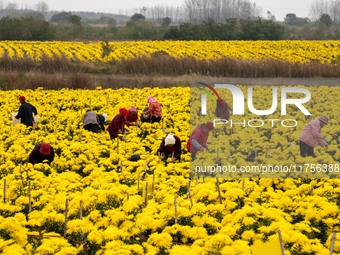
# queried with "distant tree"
point(103, 19)
point(135, 18)
point(229, 31)
point(188, 31)
point(143, 10)
point(61, 16)
point(25, 29)
point(158, 12)
point(172, 34)
point(320, 32)
point(208, 30)
point(319, 7)
point(34, 15)
point(111, 23)
point(141, 30)
point(75, 21)
point(11, 6)
point(261, 30)
point(220, 10)
point(270, 16)
point(292, 20)
point(15, 15)
point(166, 21)
point(42, 7)
point(326, 20)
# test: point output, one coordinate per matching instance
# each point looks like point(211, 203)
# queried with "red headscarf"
point(210, 125)
point(123, 111)
point(45, 149)
point(131, 117)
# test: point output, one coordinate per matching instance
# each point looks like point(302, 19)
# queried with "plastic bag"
point(146, 116)
point(35, 121)
point(15, 120)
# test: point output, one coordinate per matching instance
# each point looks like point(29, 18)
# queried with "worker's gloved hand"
point(326, 145)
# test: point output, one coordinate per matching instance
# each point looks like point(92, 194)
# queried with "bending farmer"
point(41, 152)
point(311, 136)
point(198, 139)
point(171, 147)
point(26, 111)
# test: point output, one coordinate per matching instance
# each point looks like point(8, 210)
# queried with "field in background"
point(257, 59)
point(292, 51)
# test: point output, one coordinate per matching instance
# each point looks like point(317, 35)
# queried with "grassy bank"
point(81, 80)
point(168, 65)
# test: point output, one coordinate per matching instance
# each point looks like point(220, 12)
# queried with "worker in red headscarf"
point(26, 111)
point(198, 139)
point(41, 152)
point(132, 117)
point(116, 126)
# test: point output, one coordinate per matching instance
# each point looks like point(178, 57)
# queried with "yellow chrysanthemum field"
point(294, 51)
point(92, 200)
point(108, 211)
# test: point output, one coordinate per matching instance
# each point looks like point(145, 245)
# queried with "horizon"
point(128, 7)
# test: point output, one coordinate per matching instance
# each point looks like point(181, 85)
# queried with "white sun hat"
point(105, 117)
point(169, 140)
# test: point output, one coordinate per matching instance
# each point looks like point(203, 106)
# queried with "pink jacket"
point(311, 134)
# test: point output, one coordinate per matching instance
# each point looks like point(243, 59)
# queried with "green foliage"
point(137, 17)
point(62, 16)
point(292, 20)
point(232, 29)
point(74, 20)
point(141, 30)
point(106, 49)
point(111, 24)
point(65, 26)
point(166, 21)
point(25, 29)
point(75, 25)
point(320, 32)
point(34, 15)
point(326, 20)
point(261, 30)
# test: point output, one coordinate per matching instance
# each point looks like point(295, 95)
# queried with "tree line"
point(206, 20)
point(67, 26)
point(231, 29)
